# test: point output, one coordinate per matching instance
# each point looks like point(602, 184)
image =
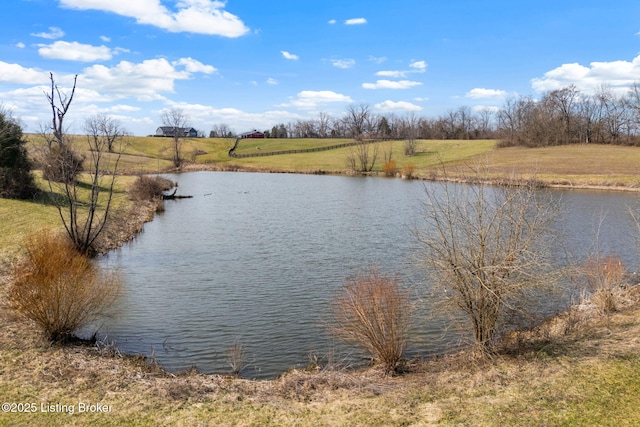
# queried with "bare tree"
point(357, 119)
point(178, 121)
point(488, 249)
point(105, 128)
point(410, 133)
point(362, 156)
point(84, 214)
point(221, 130)
point(59, 103)
point(60, 162)
point(323, 124)
point(565, 101)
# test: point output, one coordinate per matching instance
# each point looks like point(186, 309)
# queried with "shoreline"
point(565, 185)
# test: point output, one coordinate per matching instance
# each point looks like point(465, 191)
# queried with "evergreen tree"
point(16, 181)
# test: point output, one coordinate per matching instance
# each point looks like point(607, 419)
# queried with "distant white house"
point(168, 131)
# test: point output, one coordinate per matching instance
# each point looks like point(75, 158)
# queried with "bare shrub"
point(374, 312)
point(149, 187)
point(389, 168)
point(410, 147)
point(488, 250)
point(61, 164)
point(237, 357)
point(408, 170)
point(605, 282)
point(58, 288)
point(362, 156)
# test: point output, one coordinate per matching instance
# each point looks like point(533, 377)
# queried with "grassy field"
point(572, 165)
point(149, 154)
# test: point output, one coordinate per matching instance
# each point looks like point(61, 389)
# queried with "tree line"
point(563, 116)
point(569, 116)
point(360, 122)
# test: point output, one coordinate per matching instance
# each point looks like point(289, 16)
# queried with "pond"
point(256, 259)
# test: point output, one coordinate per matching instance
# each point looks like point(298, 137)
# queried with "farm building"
point(168, 131)
point(251, 134)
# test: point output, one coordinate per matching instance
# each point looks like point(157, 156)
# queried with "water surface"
point(258, 257)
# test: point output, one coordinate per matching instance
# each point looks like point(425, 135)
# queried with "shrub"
point(61, 164)
point(389, 168)
point(149, 187)
point(374, 313)
point(408, 170)
point(58, 288)
point(605, 282)
point(487, 250)
point(16, 180)
point(237, 357)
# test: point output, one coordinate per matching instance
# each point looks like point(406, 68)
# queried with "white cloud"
point(393, 74)
point(377, 59)
point(191, 16)
point(479, 93)
point(202, 116)
point(343, 63)
point(121, 108)
point(397, 106)
point(309, 99)
point(420, 66)
point(489, 108)
point(332, 21)
point(54, 33)
point(271, 81)
point(193, 66)
point(17, 74)
point(20, 45)
point(619, 75)
point(105, 39)
point(388, 84)
point(74, 51)
point(288, 55)
point(416, 67)
point(355, 21)
point(145, 81)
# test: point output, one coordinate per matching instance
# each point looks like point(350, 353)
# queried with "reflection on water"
point(257, 257)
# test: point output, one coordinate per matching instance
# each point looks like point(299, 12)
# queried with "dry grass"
point(590, 376)
point(147, 188)
point(58, 288)
point(605, 282)
point(570, 165)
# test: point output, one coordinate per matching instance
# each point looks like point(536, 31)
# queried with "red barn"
point(251, 134)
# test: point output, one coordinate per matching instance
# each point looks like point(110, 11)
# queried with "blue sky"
point(253, 64)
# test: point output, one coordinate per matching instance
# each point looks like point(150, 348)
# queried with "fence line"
point(233, 154)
